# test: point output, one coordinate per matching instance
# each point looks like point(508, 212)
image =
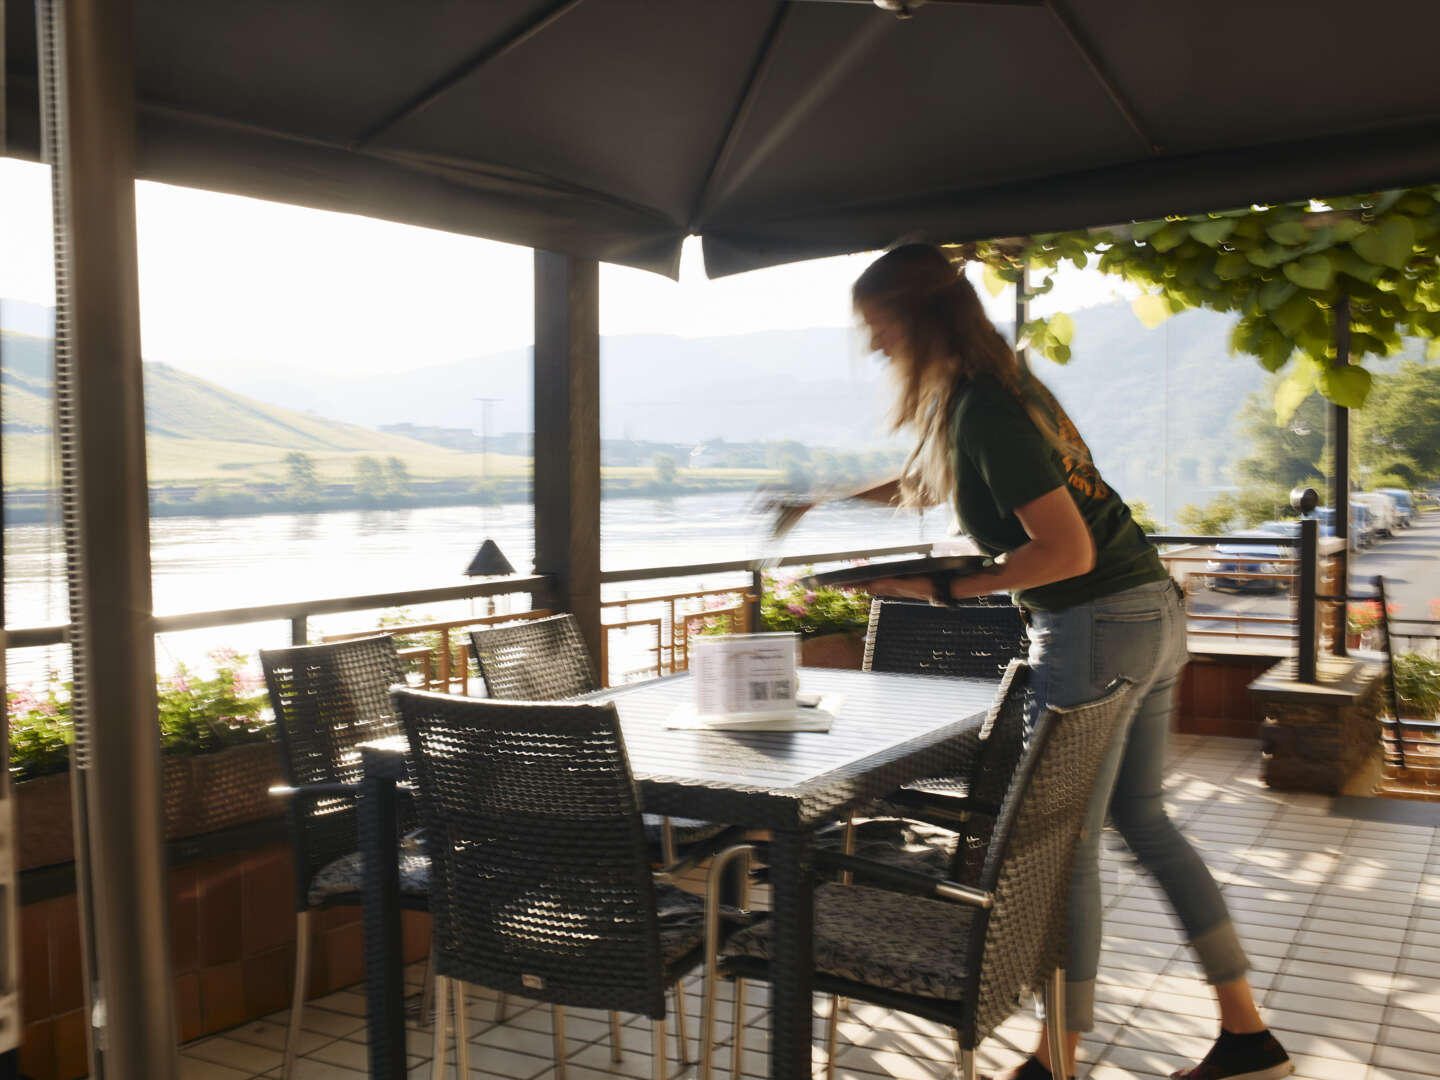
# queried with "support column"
point(567, 437)
point(1340, 494)
point(87, 59)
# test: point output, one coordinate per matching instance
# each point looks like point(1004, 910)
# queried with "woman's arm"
point(1060, 547)
point(790, 509)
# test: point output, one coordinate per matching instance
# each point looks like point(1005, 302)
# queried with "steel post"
point(87, 75)
point(1309, 575)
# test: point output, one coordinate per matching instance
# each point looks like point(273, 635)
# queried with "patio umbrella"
point(776, 130)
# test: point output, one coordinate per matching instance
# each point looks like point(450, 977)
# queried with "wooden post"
point(567, 437)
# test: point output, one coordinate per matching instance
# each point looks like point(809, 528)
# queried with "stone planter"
point(202, 793)
point(1321, 737)
point(833, 650)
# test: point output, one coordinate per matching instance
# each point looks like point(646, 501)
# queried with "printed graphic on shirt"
point(1081, 475)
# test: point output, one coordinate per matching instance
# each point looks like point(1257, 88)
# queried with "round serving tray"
point(948, 565)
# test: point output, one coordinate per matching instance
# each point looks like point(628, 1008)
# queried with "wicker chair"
point(327, 699)
point(974, 639)
point(959, 952)
point(547, 660)
point(541, 879)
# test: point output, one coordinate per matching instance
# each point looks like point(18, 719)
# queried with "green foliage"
point(397, 477)
point(1417, 685)
point(197, 715)
point(787, 605)
point(200, 715)
point(1213, 519)
point(1399, 429)
point(302, 482)
point(665, 471)
point(1280, 456)
point(40, 730)
point(1143, 516)
point(1267, 503)
point(1283, 269)
point(369, 479)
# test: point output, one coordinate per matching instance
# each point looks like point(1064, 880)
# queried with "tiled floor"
point(1341, 915)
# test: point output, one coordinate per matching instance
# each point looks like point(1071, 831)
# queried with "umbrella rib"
point(758, 70)
point(447, 82)
point(1101, 75)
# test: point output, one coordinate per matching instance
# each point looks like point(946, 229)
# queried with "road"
point(1409, 562)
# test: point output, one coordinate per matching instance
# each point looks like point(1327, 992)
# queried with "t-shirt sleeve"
point(1014, 458)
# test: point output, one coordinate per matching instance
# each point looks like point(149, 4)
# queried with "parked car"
point(1382, 509)
point(1403, 503)
point(1248, 559)
point(1362, 524)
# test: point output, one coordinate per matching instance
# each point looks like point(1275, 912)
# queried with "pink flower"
point(810, 597)
point(797, 609)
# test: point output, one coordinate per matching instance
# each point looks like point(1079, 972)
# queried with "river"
point(201, 564)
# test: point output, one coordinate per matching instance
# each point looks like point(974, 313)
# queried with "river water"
point(201, 564)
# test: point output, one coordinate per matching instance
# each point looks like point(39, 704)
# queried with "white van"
point(1382, 508)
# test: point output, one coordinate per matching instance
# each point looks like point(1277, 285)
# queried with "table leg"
point(384, 979)
point(792, 965)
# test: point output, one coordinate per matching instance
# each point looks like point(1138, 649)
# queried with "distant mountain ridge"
point(1147, 400)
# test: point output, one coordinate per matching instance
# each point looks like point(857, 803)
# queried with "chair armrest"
point(938, 808)
point(907, 880)
point(312, 791)
point(698, 852)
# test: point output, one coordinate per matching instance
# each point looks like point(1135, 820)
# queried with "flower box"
point(203, 793)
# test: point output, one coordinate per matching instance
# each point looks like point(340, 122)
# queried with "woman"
point(991, 438)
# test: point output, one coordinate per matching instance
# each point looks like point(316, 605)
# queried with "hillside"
point(199, 432)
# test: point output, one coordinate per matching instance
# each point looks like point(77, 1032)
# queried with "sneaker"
point(1254, 1056)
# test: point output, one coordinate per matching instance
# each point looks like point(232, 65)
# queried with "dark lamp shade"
point(489, 561)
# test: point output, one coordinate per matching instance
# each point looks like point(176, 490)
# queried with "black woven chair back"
point(1002, 744)
point(538, 660)
point(540, 882)
point(1031, 854)
point(977, 640)
point(327, 699)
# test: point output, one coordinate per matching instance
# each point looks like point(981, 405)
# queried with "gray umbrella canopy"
point(777, 131)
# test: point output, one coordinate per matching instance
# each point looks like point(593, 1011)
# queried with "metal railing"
point(671, 629)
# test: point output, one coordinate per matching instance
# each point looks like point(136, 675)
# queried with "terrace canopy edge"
point(511, 206)
point(776, 131)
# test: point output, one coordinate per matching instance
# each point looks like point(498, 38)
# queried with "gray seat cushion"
point(907, 944)
point(686, 830)
point(346, 875)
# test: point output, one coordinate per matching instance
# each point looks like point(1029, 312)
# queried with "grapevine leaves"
point(1282, 269)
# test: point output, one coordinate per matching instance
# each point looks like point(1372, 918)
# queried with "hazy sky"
point(228, 283)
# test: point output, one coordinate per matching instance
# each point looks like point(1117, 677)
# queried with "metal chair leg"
point(660, 1068)
point(718, 865)
point(427, 991)
point(442, 1026)
point(1055, 1021)
point(682, 1038)
point(737, 1048)
point(557, 1023)
point(462, 1032)
point(297, 997)
point(832, 1027)
point(967, 1065)
point(616, 1056)
point(501, 1003)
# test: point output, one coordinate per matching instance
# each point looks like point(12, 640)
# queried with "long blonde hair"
point(946, 340)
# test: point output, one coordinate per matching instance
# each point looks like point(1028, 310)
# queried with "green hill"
point(199, 433)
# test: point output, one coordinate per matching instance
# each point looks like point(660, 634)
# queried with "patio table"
point(890, 729)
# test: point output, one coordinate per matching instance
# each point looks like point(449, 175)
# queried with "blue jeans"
point(1074, 654)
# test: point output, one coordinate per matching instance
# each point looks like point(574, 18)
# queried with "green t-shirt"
point(1001, 460)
